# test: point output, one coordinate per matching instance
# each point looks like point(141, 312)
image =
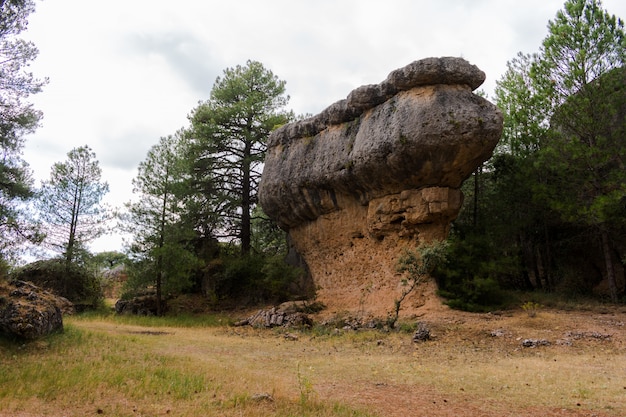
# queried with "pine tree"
point(70, 204)
point(229, 132)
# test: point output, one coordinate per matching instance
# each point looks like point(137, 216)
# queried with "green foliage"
point(256, 278)
point(531, 308)
point(227, 148)
point(108, 259)
point(17, 119)
point(475, 294)
point(468, 277)
point(416, 265)
point(267, 237)
point(172, 265)
point(580, 71)
point(557, 178)
point(78, 284)
point(70, 206)
point(305, 385)
point(162, 253)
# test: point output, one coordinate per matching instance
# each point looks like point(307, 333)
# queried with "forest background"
point(546, 213)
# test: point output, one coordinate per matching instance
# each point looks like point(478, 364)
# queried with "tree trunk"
point(608, 263)
point(159, 266)
point(159, 279)
point(476, 192)
point(246, 233)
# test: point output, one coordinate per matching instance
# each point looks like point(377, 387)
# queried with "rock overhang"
point(422, 126)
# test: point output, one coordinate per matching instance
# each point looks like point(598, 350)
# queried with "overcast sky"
point(123, 73)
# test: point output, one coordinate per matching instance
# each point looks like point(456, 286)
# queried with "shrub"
point(416, 265)
point(468, 279)
point(256, 278)
point(476, 294)
point(78, 285)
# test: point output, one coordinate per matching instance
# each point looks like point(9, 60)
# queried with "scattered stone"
point(422, 333)
point(533, 343)
point(564, 342)
point(587, 335)
point(150, 332)
point(498, 333)
point(29, 312)
point(275, 317)
point(354, 323)
point(262, 397)
point(290, 336)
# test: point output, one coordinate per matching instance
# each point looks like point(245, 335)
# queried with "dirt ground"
point(473, 364)
point(502, 334)
point(584, 332)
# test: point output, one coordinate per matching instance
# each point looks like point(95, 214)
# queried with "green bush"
point(475, 294)
point(468, 279)
point(77, 283)
point(256, 278)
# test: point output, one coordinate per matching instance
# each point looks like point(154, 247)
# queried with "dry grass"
point(113, 368)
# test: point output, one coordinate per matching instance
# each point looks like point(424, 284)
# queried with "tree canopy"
point(17, 118)
point(556, 186)
point(229, 132)
point(161, 246)
point(70, 204)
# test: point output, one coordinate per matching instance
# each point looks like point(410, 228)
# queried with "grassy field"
point(475, 365)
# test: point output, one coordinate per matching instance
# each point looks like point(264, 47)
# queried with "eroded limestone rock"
point(29, 312)
point(376, 173)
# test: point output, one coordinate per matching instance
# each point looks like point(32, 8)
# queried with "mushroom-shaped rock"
point(378, 172)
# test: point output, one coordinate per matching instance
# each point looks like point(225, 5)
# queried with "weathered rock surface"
point(29, 312)
point(285, 315)
point(378, 172)
point(144, 305)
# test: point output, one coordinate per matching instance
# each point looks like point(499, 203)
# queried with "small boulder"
point(422, 333)
point(276, 317)
point(144, 305)
point(29, 312)
point(533, 343)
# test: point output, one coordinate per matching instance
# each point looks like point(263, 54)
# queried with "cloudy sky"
point(125, 72)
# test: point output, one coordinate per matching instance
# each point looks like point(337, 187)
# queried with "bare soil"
point(473, 365)
point(574, 365)
point(591, 342)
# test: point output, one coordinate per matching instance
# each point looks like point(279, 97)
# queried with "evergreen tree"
point(580, 72)
point(70, 204)
point(161, 244)
point(556, 183)
point(17, 118)
point(229, 133)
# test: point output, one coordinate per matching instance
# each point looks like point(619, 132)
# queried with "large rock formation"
point(376, 173)
point(29, 312)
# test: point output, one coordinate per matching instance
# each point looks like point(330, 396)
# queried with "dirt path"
point(475, 364)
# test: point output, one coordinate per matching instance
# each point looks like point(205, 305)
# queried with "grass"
point(178, 320)
point(198, 366)
point(122, 371)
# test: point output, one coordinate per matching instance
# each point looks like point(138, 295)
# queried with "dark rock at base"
point(29, 312)
point(277, 317)
point(145, 305)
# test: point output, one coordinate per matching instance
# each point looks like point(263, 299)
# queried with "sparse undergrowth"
point(472, 364)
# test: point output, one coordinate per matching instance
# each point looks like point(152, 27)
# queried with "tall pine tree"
point(70, 204)
point(161, 244)
point(229, 133)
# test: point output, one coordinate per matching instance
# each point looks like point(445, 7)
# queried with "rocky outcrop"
point(143, 305)
point(28, 312)
point(378, 172)
point(276, 317)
